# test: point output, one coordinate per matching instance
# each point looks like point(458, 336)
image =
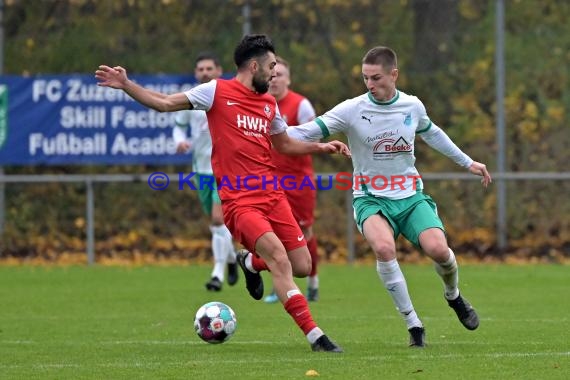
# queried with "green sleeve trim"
point(324, 129)
point(425, 129)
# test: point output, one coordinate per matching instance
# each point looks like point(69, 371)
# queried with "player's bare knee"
point(280, 264)
point(437, 250)
point(307, 232)
point(302, 268)
point(217, 221)
point(385, 251)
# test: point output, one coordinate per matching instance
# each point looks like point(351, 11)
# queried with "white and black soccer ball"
point(215, 322)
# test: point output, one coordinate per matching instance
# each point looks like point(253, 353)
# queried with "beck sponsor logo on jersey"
point(386, 148)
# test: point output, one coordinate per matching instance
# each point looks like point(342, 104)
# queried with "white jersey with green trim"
point(381, 138)
point(200, 139)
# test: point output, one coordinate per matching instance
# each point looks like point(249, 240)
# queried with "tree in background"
point(446, 51)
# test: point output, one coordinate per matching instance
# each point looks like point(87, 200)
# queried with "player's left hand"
point(480, 169)
point(114, 77)
point(337, 147)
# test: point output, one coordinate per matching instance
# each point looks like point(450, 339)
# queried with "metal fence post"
point(349, 227)
point(500, 119)
point(90, 225)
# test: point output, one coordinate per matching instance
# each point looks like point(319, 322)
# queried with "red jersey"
point(298, 166)
point(240, 122)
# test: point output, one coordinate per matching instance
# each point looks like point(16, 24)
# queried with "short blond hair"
point(283, 61)
point(383, 56)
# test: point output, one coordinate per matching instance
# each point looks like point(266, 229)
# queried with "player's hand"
point(480, 169)
point(336, 147)
point(183, 147)
point(114, 77)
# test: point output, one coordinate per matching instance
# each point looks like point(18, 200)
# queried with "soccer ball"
point(215, 322)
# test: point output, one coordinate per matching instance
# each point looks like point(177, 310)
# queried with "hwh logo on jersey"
point(252, 123)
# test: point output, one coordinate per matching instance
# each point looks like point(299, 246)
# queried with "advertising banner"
point(69, 120)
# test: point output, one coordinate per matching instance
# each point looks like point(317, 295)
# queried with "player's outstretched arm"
point(480, 169)
point(287, 145)
point(116, 77)
point(439, 140)
point(309, 131)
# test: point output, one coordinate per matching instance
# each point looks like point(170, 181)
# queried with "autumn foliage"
point(446, 54)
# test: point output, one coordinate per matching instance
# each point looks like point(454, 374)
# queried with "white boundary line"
point(308, 359)
point(441, 341)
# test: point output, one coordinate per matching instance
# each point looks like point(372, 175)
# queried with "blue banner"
point(69, 120)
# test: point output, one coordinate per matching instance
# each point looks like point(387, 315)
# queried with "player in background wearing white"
point(296, 109)
point(207, 67)
point(381, 126)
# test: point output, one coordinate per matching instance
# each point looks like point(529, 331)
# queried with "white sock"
point(394, 281)
point(293, 292)
point(314, 334)
point(313, 282)
point(218, 251)
point(449, 274)
point(249, 263)
point(229, 248)
point(218, 271)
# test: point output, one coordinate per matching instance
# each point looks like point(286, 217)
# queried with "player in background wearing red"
point(296, 109)
point(245, 123)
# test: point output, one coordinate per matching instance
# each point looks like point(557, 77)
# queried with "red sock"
point(298, 308)
point(258, 263)
point(312, 245)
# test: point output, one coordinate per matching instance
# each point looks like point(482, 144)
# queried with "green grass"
point(137, 323)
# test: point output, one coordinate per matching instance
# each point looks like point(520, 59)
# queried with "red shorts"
point(248, 221)
point(303, 202)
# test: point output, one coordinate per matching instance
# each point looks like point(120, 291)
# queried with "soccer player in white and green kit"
point(381, 126)
point(207, 67)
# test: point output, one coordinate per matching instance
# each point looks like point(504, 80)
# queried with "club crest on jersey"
point(408, 119)
point(267, 110)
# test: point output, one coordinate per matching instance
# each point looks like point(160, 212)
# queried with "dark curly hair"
point(252, 45)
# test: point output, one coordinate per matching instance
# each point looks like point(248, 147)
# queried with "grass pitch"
point(137, 323)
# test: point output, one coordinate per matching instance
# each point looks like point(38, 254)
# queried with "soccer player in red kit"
point(244, 122)
point(296, 171)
